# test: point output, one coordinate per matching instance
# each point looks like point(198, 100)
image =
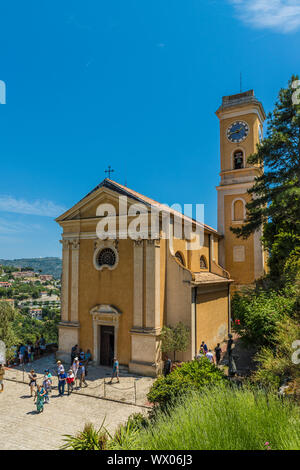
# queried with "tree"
point(174, 338)
point(7, 334)
point(275, 202)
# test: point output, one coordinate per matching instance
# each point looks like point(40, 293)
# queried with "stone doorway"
point(107, 341)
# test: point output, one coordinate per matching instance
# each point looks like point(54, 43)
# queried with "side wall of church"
point(212, 316)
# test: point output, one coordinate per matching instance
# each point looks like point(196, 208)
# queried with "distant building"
point(36, 313)
point(5, 284)
point(46, 277)
point(22, 274)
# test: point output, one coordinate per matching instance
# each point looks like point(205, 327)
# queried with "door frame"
point(106, 315)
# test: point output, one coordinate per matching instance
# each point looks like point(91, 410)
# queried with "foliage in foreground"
point(217, 418)
point(258, 313)
point(190, 376)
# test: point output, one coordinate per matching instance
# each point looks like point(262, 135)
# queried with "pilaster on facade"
point(65, 280)
point(138, 287)
point(152, 284)
point(75, 245)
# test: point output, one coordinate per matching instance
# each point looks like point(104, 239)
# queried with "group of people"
point(42, 391)
point(205, 352)
point(26, 353)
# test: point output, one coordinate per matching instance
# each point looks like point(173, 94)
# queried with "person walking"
point(32, 381)
point(47, 386)
point(74, 353)
point(115, 371)
point(232, 367)
point(87, 359)
point(210, 356)
point(81, 375)
point(42, 345)
point(62, 378)
point(2, 373)
point(39, 398)
point(70, 381)
point(167, 366)
point(75, 367)
point(218, 352)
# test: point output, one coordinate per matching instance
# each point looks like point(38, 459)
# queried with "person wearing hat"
point(70, 380)
point(60, 368)
point(75, 367)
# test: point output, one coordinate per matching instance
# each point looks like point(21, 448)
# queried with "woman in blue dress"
point(39, 398)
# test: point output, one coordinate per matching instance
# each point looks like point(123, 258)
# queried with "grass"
point(222, 418)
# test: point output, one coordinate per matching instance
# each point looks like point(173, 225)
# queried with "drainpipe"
point(229, 309)
point(194, 317)
point(209, 252)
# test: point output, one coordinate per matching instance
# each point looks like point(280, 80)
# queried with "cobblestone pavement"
point(22, 428)
point(131, 389)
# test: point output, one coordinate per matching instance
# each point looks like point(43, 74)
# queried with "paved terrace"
point(132, 388)
point(21, 427)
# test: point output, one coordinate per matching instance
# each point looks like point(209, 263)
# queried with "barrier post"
point(134, 392)
point(104, 394)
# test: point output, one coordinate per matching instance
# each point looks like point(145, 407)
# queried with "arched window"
point(106, 257)
point(203, 262)
point(238, 160)
point(180, 258)
point(238, 212)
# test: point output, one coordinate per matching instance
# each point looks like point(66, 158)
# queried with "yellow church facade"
point(119, 291)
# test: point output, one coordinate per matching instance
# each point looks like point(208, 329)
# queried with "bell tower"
point(241, 121)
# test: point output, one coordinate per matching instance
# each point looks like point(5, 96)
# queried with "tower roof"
point(240, 100)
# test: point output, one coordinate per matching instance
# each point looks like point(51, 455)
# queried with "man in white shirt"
point(210, 356)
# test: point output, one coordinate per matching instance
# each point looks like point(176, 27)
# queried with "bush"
point(259, 313)
point(222, 418)
point(190, 376)
point(88, 439)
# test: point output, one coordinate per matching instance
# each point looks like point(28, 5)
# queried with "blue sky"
point(129, 83)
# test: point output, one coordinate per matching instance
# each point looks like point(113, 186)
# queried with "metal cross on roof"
point(109, 171)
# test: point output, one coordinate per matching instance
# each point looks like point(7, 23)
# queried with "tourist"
point(204, 346)
point(210, 356)
point(115, 371)
point(75, 367)
point(81, 355)
point(87, 358)
point(2, 372)
point(47, 382)
point(167, 366)
point(37, 348)
point(42, 345)
point(74, 353)
point(60, 368)
point(39, 398)
point(218, 352)
point(32, 381)
point(70, 381)
point(232, 367)
point(201, 353)
point(81, 375)
point(62, 378)
point(30, 352)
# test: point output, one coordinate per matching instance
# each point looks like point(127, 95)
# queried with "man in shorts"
point(115, 371)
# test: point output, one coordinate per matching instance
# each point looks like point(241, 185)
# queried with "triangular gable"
point(112, 188)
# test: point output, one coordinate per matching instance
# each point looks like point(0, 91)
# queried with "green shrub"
point(259, 312)
point(88, 439)
point(222, 418)
point(190, 376)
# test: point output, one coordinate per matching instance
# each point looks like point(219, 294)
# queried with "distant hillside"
point(46, 265)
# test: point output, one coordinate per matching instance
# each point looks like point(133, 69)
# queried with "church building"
point(119, 291)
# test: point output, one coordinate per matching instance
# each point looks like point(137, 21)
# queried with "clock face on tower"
point(237, 131)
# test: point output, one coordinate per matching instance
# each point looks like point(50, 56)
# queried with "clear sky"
point(129, 83)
